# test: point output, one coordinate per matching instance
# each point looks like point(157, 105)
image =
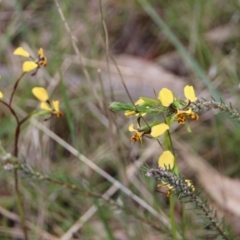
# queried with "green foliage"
point(56, 190)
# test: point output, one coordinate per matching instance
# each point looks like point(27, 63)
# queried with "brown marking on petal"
point(181, 120)
point(59, 114)
point(193, 116)
point(135, 138)
point(42, 61)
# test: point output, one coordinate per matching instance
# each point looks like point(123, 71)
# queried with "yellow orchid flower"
point(53, 108)
point(166, 161)
point(181, 115)
point(34, 64)
point(138, 135)
point(42, 95)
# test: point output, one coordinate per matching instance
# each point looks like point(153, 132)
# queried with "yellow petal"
point(21, 52)
point(40, 93)
point(45, 106)
point(131, 128)
point(190, 93)
point(159, 129)
point(166, 160)
point(139, 101)
point(166, 97)
point(42, 60)
point(55, 105)
point(56, 111)
point(29, 66)
point(40, 53)
point(190, 185)
point(1, 95)
point(129, 113)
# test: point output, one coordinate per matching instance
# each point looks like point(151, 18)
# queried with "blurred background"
point(82, 74)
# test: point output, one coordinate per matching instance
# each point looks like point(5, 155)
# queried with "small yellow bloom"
point(1, 95)
point(190, 93)
point(166, 160)
point(138, 135)
point(34, 64)
point(42, 60)
point(166, 97)
point(159, 129)
point(53, 108)
point(42, 95)
point(181, 115)
point(171, 188)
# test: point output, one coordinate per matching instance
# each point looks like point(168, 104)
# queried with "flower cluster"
point(171, 108)
point(39, 92)
point(28, 66)
point(51, 107)
point(175, 109)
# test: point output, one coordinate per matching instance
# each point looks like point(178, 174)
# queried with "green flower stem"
point(169, 146)
point(20, 205)
point(183, 222)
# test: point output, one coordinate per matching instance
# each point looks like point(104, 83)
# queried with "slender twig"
point(17, 133)
point(11, 110)
point(15, 87)
point(106, 49)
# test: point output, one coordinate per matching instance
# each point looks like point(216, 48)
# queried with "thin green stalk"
point(172, 217)
point(20, 205)
point(183, 221)
point(169, 146)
